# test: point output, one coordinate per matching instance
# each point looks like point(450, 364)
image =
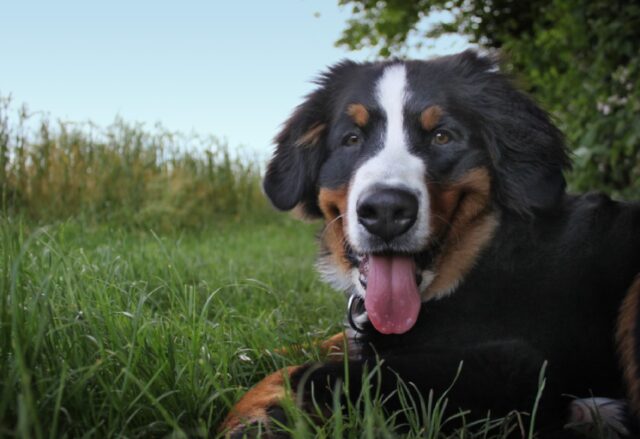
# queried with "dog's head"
point(411, 165)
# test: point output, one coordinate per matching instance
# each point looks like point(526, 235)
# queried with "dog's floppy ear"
point(530, 159)
point(292, 174)
point(527, 150)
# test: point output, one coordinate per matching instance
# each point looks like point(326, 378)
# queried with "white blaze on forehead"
point(391, 93)
point(392, 166)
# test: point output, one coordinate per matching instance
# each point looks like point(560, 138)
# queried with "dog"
point(448, 224)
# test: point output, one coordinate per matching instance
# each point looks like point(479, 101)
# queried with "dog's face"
point(411, 165)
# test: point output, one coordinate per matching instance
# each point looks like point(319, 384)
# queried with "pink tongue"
point(392, 300)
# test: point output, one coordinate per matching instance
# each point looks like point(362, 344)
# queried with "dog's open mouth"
point(392, 297)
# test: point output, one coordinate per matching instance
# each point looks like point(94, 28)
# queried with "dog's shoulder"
point(604, 225)
point(590, 222)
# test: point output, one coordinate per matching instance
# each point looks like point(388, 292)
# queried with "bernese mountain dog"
point(448, 225)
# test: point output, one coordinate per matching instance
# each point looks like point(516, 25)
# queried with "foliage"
point(123, 174)
point(579, 58)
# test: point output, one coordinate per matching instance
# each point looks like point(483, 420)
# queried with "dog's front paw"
point(254, 414)
point(265, 427)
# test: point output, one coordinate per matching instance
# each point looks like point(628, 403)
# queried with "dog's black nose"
point(387, 212)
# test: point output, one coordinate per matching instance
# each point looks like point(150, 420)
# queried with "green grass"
point(107, 332)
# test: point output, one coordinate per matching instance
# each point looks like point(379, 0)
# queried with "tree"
point(579, 58)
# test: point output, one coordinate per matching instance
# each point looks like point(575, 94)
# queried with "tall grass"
point(121, 174)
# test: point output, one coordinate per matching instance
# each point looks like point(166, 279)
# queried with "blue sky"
point(232, 69)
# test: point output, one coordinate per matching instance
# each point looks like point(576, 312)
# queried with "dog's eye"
point(441, 137)
point(351, 140)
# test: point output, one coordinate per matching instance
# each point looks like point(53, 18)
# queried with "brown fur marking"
point(627, 344)
point(465, 225)
point(333, 347)
point(333, 204)
point(430, 117)
point(359, 114)
point(253, 406)
point(311, 137)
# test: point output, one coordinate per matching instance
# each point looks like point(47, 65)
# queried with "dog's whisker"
point(328, 225)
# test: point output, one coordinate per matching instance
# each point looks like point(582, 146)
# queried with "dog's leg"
point(497, 378)
point(261, 403)
point(256, 408)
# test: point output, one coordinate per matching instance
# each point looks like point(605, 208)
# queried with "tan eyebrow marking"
point(359, 114)
point(430, 117)
point(311, 137)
